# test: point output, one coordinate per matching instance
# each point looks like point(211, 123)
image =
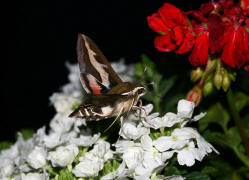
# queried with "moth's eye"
point(141, 91)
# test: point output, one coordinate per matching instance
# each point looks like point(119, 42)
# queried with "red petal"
point(247, 22)
point(179, 35)
point(216, 31)
point(228, 50)
point(163, 43)
point(199, 54)
point(244, 49)
point(187, 43)
point(236, 50)
point(172, 16)
point(244, 4)
point(206, 8)
point(156, 23)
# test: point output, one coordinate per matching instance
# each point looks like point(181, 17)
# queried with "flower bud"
point(218, 79)
point(211, 65)
point(208, 88)
point(195, 95)
point(226, 82)
point(196, 74)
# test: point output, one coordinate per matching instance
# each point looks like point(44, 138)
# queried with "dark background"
point(39, 37)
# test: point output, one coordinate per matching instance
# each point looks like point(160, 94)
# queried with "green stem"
point(236, 118)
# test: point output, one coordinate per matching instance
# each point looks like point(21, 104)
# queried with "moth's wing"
point(97, 76)
point(103, 99)
point(97, 102)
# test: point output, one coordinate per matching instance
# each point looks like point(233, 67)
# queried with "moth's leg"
point(120, 112)
point(140, 107)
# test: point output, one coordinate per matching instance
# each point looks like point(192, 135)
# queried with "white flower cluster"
point(70, 144)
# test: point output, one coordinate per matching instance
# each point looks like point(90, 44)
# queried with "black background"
point(39, 37)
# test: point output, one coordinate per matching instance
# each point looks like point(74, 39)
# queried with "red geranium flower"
point(217, 29)
point(172, 24)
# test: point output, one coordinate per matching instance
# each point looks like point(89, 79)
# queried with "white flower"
point(102, 150)
point(61, 123)
point(63, 156)
point(152, 159)
point(63, 103)
point(185, 108)
point(6, 167)
point(182, 142)
point(133, 156)
point(155, 122)
point(37, 158)
point(130, 130)
point(188, 154)
point(52, 140)
point(33, 176)
point(89, 165)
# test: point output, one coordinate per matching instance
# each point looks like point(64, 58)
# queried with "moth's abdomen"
point(92, 112)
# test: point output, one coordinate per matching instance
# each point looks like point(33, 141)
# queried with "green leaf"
point(216, 114)
point(75, 106)
point(173, 170)
point(149, 64)
point(231, 138)
point(5, 145)
point(209, 170)
point(27, 133)
point(165, 85)
point(241, 100)
point(139, 69)
point(197, 176)
point(171, 104)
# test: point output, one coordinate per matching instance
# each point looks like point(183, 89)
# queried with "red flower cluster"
point(217, 29)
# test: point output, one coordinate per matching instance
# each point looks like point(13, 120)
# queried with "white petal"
point(131, 131)
point(85, 140)
point(199, 116)
point(63, 156)
point(146, 142)
point(37, 157)
point(6, 167)
point(89, 166)
point(185, 108)
point(185, 157)
point(133, 157)
point(165, 143)
point(122, 145)
point(32, 176)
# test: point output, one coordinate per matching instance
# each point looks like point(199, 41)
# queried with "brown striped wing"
point(97, 76)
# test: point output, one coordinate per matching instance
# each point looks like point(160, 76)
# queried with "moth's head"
point(139, 90)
